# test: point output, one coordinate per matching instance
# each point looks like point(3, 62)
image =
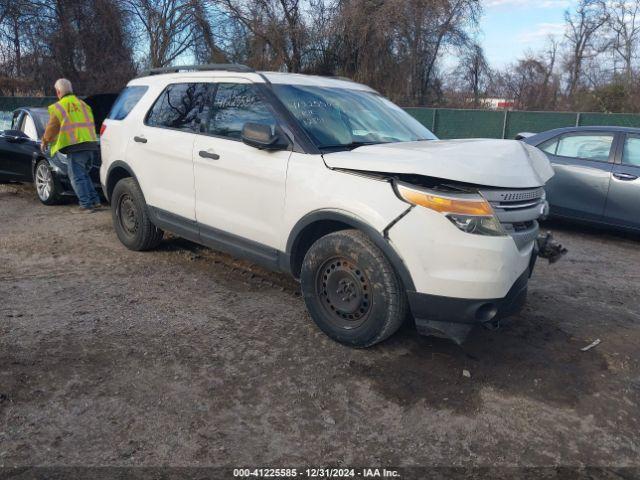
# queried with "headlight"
point(471, 213)
point(477, 225)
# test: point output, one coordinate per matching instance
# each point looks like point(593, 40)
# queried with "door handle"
point(205, 154)
point(140, 139)
point(625, 176)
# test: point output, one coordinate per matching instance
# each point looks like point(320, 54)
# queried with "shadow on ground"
point(529, 357)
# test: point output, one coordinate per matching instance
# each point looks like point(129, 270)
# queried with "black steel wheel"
point(351, 290)
point(131, 218)
point(128, 214)
point(345, 290)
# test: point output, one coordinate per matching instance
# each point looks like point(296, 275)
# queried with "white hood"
point(496, 163)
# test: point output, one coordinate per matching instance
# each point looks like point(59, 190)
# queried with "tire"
point(131, 217)
point(47, 188)
point(351, 290)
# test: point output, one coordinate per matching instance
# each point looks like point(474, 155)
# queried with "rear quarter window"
point(179, 106)
point(549, 146)
point(125, 102)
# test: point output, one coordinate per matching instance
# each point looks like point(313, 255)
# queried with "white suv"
point(329, 181)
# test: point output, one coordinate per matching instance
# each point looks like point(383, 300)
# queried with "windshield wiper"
point(350, 146)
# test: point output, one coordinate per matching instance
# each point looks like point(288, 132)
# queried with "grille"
point(522, 226)
point(518, 196)
point(518, 211)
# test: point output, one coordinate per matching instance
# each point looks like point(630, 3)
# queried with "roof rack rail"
point(229, 67)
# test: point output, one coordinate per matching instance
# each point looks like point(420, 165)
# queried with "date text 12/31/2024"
point(315, 473)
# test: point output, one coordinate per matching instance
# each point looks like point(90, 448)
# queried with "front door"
point(16, 152)
point(582, 162)
point(161, 149)
point(624, 192)
point(239, 189)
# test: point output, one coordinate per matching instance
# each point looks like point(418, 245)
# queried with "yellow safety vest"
point(76, 122)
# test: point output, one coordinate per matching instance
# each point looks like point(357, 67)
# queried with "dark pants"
point(79, 165)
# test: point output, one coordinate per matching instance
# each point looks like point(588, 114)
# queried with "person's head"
point(63, 87)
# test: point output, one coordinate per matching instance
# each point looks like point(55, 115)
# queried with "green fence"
point(459, 123)
point(8, 104)
point(444, 122)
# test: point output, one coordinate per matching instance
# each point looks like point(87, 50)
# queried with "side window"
point(179, 107)
point(29, 127)
point(550, 146)
point(16, 120)
point(234, 105)
point(589, 147)
point(631, 151)
point(125, 102)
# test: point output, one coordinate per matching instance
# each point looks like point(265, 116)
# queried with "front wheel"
point(131, 218)
point(351, 290)
point(47, 188)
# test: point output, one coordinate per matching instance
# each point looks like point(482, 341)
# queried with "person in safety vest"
point(71, 130)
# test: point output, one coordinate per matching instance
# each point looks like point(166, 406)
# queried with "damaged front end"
point(455, 318)
point(516, 213)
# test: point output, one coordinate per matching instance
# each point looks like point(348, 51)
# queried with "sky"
point(510, 27)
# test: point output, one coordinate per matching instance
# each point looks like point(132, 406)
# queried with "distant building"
point(497, 103)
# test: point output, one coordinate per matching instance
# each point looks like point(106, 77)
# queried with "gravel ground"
point(186, 357)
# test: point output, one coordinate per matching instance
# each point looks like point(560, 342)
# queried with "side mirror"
point(264, 137)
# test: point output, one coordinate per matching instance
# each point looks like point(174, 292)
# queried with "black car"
point(597, 173)
point(22, 161)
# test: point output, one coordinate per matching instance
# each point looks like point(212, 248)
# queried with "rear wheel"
point(47, 189)
point(351, 290)
point(131, 217)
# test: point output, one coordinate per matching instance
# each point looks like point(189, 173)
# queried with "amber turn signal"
point(473, 205)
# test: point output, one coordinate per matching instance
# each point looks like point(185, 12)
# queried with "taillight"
point(102, 129)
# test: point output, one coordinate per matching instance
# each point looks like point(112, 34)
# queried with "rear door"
point(160, 149)
point(582, 162)
point(623, 200)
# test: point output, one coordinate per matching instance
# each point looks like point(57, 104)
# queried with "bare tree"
point(582, 26)
point(14, 15)
point(84, 40)
point(533, 81)
point(624, 22)
point(475, 72)
point(456, 16)
point(322, 38)
point(206, 46)
point(168, 27)
point(277, 27)
point(396, 45)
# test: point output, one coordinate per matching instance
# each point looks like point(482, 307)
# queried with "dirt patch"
point(185, 356)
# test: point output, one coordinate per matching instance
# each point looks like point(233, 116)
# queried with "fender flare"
point(112, 167)
point(353, 221)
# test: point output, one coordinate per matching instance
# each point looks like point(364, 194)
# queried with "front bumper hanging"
point(454, 318)
point(548, 248)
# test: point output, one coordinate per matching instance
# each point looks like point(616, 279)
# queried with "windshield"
point(338, 118)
